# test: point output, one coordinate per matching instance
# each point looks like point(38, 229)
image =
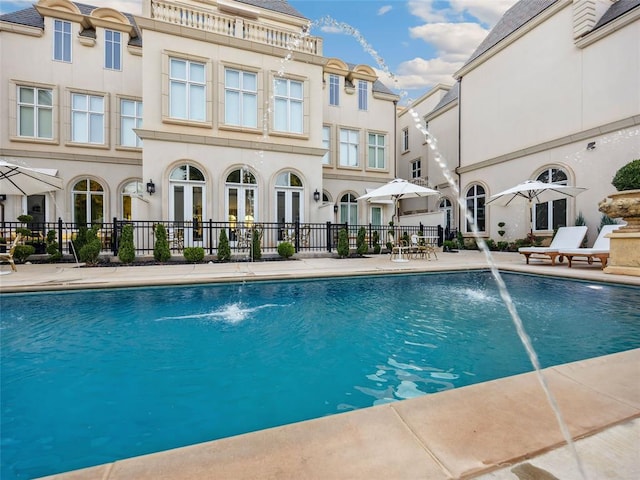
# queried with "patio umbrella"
point(19, 180)
point(397, 189)
point(534, 191)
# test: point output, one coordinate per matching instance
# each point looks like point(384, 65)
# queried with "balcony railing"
point(305, 237)
point(215, 22)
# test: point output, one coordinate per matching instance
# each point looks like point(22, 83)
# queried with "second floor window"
point(130, 118)
point(187, 90)
point(62, 41)
point(112, 50)
point(334, 90)
point(348, 148)
point(288, 101)
point(363, 94)
point(416, 169)
point(240, 98)
point(377, 150)
point(35, 112)
point(87, 118)
point(405, 139)
point(326, 143)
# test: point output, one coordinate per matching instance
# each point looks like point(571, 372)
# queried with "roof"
point(526, 10)
point(280, 6)
point(449, 97)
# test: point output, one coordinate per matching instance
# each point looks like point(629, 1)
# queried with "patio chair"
point(418, 248)
point(566, 238)
point(599, 250)
point(398, 249)
point(8, 256)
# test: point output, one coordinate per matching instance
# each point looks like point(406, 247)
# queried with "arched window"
point(186, 201)
point(289, 198)
point(475, 207)
point(88, 202)
point(348, 209)
point(130, 190)
point(447, 207)
point(241, 193)
point(551, 215)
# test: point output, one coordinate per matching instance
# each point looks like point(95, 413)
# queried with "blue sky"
point(421, 42)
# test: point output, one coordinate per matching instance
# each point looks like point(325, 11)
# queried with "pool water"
point(94, 376)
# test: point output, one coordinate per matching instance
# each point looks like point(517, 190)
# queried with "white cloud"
point(420, 74)
point(453, 41)
point(385, 9)
point(127, 6)
point(488, 12)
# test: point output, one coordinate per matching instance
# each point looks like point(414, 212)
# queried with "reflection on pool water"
point(90, 377)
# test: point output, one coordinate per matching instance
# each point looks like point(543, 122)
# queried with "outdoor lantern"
point(151, 187)
point(316, 195)
point(335, 208)
point(591, 146)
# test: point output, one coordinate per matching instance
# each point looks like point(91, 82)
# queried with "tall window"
point(377, 150)
point(363, 94)
point(62, 40)
point(405, 139)
point(87, 118)
point(446, 207)
point(242, 208)
point(112, 50)
point(130, 190)
point(551, 215)
point(88, 202)
point(35, 112)
point(348, 209)
point(289, 204)
point(334, 90)
point(326, 143)
point(240, 98)
point(348, 148)
point(288, 101)
point(130, 118)
point(187, 90)
point(416, 169)
point(475, 207)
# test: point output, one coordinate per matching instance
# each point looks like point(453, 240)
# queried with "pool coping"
point(470, 432)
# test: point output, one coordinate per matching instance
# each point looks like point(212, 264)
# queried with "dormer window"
point(62, 41)
point(112, 50)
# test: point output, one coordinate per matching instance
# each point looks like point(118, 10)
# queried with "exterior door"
point(241, 202)
point(186, 201)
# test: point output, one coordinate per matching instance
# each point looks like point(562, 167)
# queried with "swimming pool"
point(90, 377)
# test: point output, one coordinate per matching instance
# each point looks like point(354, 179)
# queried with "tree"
point(343, 243)
point(126, 250)
point(361, 242)
point(224, 250)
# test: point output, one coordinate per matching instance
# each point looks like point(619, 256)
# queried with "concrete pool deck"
point(503, 429)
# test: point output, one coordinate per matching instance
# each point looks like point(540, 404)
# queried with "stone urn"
point(624, 251)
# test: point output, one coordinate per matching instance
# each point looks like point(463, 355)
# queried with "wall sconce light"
point(151, 187)
point(316, 195)
point(335, 209)
point(591, 146)
point(3, 197)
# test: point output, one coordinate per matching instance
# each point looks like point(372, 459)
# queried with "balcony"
point(219, 23)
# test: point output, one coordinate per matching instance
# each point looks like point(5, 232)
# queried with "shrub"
point(53, 248)
point(80, 240)
point(256, 239)
point(361, 242)
point(90, 251)
point(502, 246)
point(22, 252)
point(224, 250)
point(448, 245)
point(126, 250)
point(24, 231)
point(343, 243)
point(460, 239)
point(606, 220)
point(628, 177)
point(193, 254)
point(376, 242)
point(161, 250)
point(491, 245)
point(286, 249)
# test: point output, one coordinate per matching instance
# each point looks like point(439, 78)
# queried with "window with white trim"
point(377, 150)
point(554, 214)
point(363, 94)
point(240, 98)
point(348, 209)
point(326, 143)
point(187, 90)
point(88, 202)
point(87, 118)
point(475, 207)
point(112, 50)
point(348, 147)
point(35, 112)
point(130, 118)
point(416, 168)
point(334, 90)
point(62, 40)
point(288, 105)
point(405, 139)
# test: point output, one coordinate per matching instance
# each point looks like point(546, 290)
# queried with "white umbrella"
point(534, 191)
point(19, 180)
point(397, 189)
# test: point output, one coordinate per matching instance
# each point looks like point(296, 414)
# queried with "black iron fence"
point(305, 237)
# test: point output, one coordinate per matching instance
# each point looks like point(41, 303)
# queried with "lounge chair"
point(566, 238)
point(600, 249)
point(8, 256)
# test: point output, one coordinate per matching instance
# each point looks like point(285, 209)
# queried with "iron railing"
point(305, 237)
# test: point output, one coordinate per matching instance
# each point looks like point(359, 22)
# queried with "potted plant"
point(624, 250)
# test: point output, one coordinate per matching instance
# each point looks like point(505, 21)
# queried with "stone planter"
point(624, 251)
